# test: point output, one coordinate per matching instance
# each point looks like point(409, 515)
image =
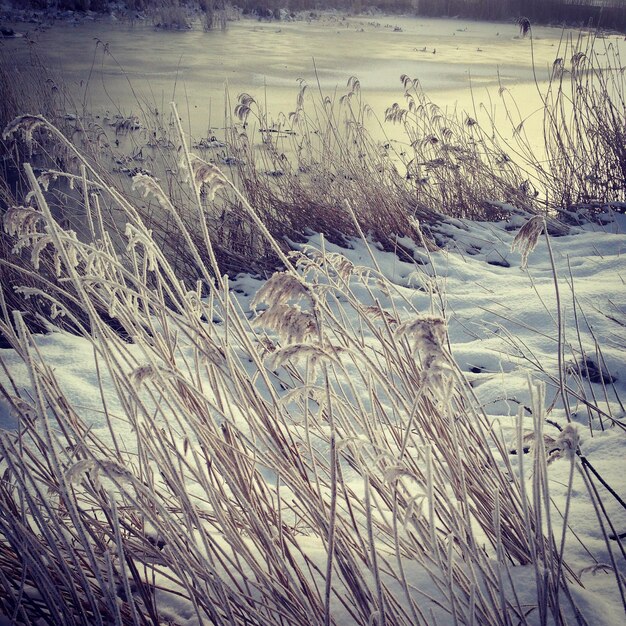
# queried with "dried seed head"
point(396, 471)
point(74, 474)
point(141, 374)
point(38, 247)
point(568, 441)
point(57, 310)
point(524, 26)
point(22, 409)
point(46, 178)
point(22, 222)
point(283, 287)
point(427, 335)
point(25, 124)
point(314, 354)
point(149, 186)
point(292, 324)
point(527, 237)
point(378, 313)
point(343, 266)
point(71, 245)
point(244, 106)
point(204, 175)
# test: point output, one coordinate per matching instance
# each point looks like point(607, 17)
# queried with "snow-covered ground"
point(503, 330)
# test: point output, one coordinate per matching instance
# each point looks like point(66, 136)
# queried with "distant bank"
point(604, 14)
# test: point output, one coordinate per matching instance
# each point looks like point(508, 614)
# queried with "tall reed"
point(317, 459)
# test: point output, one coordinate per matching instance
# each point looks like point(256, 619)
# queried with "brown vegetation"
point(287, 470)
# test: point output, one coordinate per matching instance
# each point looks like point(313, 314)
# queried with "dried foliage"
point(584, 116)
point(326, 479)
point(527, 237)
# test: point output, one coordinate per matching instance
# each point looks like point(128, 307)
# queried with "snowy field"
point(504, 336)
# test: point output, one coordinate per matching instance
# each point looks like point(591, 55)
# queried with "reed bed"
point(329, 159)
point(584, 115)
point(322, 157)
point(321, 461)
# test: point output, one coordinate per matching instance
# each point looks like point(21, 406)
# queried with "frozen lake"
point(266, 59)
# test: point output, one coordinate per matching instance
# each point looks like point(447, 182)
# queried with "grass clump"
point(584, 112)
point(320, 169)
point(329, 167)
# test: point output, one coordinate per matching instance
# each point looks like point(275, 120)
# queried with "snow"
point(502, 324)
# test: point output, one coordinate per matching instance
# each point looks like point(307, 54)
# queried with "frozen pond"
point(266, 59)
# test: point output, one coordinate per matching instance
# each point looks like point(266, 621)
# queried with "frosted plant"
point(57, 309)
point(290, 322)
point(142, 374)
point(284, 293)
point(566, 444)
point(193, 303)
point(344, 267)
point(76, 472)
point(527, 237)
point(46, 178)
point(377, 312)
point(39, 245)
point(225, 498)
point(305, 351)
point(98, 262)
point(563, 446)
point(315, 259)
point(204, 174)
point(148, 185)
point(72, 250)
point(281, 288)
point(426, 336)
point(25, 124)
point(22, 222)
point(136, 236)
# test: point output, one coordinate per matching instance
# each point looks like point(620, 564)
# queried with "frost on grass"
point(25, 125)
point(380, 492)
point(527, 237)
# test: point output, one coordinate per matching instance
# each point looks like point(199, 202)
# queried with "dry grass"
point(453, 163)
point(324, 461)
point(308, 466)
point(321, 169)
point(33, 88)
point(584, 115)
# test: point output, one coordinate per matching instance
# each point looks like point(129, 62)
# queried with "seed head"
point(568, 441)
point(527, 237)
point(149, 186)
point(25, 124)
point(282, 287)
point(292, 324)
